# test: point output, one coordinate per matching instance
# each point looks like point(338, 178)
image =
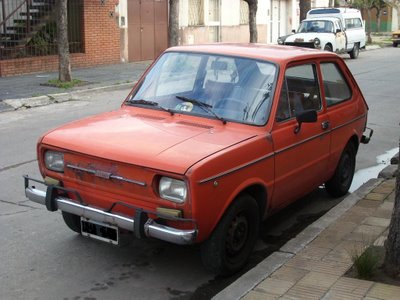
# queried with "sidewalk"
point(313, 264)
point(26, 90)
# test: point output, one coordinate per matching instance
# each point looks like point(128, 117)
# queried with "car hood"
point(159, 141)
point(306, 37)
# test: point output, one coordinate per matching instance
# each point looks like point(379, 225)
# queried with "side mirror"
point(338, 30)
point(305, 116)
point(293, 31)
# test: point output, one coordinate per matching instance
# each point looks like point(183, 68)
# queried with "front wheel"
point(354, 53)
point(231, 243)
point(341, 181)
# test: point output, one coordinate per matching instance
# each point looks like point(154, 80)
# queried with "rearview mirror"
point(305, 116)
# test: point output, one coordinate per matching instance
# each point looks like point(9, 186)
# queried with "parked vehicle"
point(396, 38)
point(211, 140)
point(340, 30)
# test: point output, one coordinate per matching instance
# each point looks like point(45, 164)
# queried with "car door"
point(300, 158)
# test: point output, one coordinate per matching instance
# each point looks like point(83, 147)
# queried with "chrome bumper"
point(150, 228)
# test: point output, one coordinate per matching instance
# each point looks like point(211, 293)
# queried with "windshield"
point(316, 26)
point(228, 88)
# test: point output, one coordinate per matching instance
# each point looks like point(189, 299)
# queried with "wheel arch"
point(259, 193)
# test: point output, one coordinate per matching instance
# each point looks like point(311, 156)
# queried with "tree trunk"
point(64, 73)
point(305, 6)
point(253, 6)
point(392, 244)
point(369, 38)
point(378, 20)
point(173, 29)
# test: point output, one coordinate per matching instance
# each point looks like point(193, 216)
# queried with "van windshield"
point(230, 88)
point(316, 26)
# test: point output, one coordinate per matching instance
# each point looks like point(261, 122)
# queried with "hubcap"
point(237, 235)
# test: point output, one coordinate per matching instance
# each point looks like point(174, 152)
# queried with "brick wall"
point(101, 39)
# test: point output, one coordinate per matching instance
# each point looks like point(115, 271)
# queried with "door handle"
point(325, 125)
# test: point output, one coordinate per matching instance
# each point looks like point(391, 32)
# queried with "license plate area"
point(100, 231)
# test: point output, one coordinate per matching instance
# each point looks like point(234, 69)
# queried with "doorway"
point(147, 29)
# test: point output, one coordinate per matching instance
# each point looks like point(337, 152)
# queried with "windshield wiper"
point(206, 107)
point(151, 103)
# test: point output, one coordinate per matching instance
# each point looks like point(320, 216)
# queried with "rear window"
point(335, 85)
point(353, 23)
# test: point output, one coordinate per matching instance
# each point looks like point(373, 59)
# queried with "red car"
point(211, 140)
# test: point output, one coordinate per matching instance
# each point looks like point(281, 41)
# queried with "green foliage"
point(366, 262)
point(44, 41)
point(64, 85)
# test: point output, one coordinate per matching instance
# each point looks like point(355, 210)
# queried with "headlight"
point(317, 42)
point(172, 189)
point(54, 161)
point(280, 41)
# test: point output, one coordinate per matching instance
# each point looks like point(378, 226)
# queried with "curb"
point(252, 278)
point(16, 104)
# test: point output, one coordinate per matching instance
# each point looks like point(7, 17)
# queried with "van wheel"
point(341, 181)
point(72, 221)
point(328, 48)
point(395, 44)
point(233, 240)
point(356, 50)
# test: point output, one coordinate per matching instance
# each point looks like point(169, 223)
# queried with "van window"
point(353, 23)
point(336, 88)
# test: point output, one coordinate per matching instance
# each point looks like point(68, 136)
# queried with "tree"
point(253, 6)
point(305, 6)
point(367, 5)
point(64, 70)
point(173, 28)
point(379, 5)
point(392, 244)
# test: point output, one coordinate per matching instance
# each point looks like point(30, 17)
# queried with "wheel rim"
point(237, 235)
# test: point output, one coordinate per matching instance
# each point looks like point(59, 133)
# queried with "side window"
point(336, 88)
point(300, 91)
point(353, 23)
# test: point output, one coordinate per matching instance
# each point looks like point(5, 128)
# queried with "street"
point(42, 259)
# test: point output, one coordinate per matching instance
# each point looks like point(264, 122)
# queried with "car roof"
point(321, 18)
point(273, 53)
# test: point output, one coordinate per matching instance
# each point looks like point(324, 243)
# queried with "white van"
point(352, 23)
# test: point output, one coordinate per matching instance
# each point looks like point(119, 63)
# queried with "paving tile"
point(314, 252)
point(376, 196)
point(343, 226)
point(384, 291)
point(340, 295)
point(318, 280)
point(383, 189)
point(289, 274)
point(391, 197)
point(274, 286)
point(369, 229)
point(352, 286)
point(344, 251)
point(323, 242)
point(305, 292)
point(365, 233)
point(255, 295)
point(389, 183)
point(329, 267)
point(374, 221)
point(380, 241)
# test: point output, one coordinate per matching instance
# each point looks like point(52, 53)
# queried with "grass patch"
point(365, 262)
point(65, 85)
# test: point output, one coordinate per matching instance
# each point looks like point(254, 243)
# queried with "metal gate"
point(147, 29)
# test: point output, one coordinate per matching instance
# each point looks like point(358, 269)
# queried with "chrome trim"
point(151, 227)
point(326, 132)
point(236, 168)
point(106, 175)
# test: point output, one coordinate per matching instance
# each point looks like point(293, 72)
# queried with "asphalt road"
point(42, 259)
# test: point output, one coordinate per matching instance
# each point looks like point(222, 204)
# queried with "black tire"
point(341, 181)
point(328, 48)
point(72, 221)
point(233, 240)
point(395, 44)
point(356, 50)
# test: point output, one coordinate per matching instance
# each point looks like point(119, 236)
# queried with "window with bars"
point(244, 12)
point(196, 12)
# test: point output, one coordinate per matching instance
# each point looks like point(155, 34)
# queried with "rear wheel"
point(231, 243)
point(341, 181)
point(356, 50)
point(72, 221)
point(395, 44)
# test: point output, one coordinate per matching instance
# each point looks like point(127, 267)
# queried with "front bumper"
point(140, 224)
